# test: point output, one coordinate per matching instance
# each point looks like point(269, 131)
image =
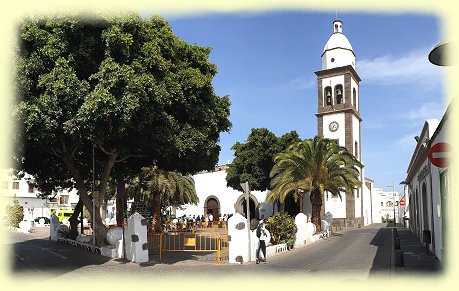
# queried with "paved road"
point(354, 253)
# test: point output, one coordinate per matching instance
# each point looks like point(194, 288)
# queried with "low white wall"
point(305, 230)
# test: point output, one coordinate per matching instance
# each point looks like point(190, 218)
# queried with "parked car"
point(64, 214)
point(46, 219)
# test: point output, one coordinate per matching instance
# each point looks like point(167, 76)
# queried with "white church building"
point(338, 118)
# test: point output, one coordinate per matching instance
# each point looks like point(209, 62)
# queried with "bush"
point(15, 213)
point(282, 228)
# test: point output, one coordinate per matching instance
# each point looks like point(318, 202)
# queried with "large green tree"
point(124, 86)
point(314, 166)
point(253, 159)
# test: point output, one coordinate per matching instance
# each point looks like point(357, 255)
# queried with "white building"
point(29, 197)
point(216, 198)
point(386, 205)
point(428, 185)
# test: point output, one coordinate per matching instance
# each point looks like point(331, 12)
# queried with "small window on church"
point(354, 98)
point(328, 96)
point(339, 94)
point(332, 60)
point(356, 150)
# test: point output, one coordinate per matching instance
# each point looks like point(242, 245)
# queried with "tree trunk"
point(74, 220)
point(120, 194)
point(301, 201)
point(316, 201)
point(156, 213)
point(101, 229)
point(109, 163)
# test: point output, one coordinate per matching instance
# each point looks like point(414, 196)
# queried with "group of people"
point(194, 221)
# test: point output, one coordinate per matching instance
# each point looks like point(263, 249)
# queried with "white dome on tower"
point(338, 50)
point(337, 40)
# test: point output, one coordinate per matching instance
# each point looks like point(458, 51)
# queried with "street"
point(353, 253)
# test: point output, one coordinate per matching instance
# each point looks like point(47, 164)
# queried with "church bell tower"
point(338, 114)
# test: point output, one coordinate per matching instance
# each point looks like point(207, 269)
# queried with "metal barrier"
point(187, 242)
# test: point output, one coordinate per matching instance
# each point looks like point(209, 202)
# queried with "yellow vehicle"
point(64, 214)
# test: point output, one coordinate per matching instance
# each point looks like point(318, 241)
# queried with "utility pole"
point(246, 187)
point(393, 199)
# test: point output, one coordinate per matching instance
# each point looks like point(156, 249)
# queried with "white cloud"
point(390, 70)
point(428, 110)
point(407, 141)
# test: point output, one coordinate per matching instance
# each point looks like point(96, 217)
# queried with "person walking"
point(264, 238)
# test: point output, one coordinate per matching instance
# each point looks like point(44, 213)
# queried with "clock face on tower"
point(333, 126)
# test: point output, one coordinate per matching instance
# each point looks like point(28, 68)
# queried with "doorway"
point(212, 206)
point(251, 207)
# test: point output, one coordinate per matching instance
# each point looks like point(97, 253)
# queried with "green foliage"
point(15, 213)
point(124, 85)
point(282, 228)
point(314, 166)
point(254, 159)
point(173, 188)
point(161, 189)
point(318, 164)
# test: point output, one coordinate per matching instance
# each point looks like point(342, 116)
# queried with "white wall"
point(340, 133)
point(367, 207)
point(30, 200)
point(436, 197)
point(214, 184)
point(342, 58)
point(336, 206)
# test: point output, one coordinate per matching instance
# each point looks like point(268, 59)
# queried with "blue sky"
point(266, 64)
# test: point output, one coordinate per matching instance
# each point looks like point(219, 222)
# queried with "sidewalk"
point(412, 255)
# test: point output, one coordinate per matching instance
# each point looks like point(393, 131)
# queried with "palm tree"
point(165, 188)
point(314, 166)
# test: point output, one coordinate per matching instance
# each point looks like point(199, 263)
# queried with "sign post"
point(246, 187)
point(402, 202)
point(439, 155)
point(95, 202)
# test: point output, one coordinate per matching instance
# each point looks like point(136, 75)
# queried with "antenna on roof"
point(336, 17)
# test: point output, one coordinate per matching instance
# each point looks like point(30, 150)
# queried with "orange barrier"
point(186, 242)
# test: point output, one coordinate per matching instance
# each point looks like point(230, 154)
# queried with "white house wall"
point(436, 196)
point(33, 206)
point(367, 207)
point(376, 204)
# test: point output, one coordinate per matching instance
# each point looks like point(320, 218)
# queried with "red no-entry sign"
point(402, 202)
point(439, 154)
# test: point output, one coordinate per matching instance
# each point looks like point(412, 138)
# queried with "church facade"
point(338, 118)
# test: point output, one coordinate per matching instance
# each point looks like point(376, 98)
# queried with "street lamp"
point(440, 54)
point(393, 199)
